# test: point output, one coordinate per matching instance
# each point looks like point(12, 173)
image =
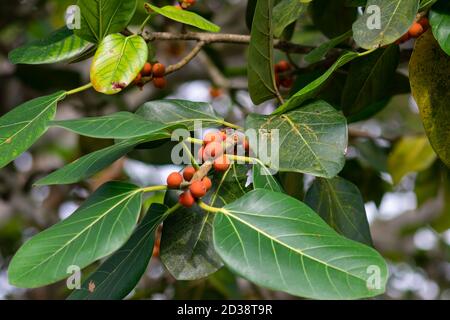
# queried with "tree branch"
point(207, 38)
point(175, 67)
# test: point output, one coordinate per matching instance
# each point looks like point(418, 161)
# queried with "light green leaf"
point(98, 228)
point(321, 51)
point(263, 179)
point(100, 18)
point(185, 17)
point(117, 62)
point(61, 45)
point(313, 88)
point(90, 164)
point(120, 125)
point(313, 139)
point(429, 70)
point(187, 248)
point(369, 80)
point(21, 127)
point(278, 242)
point(440, 23)
point(285, 13)
point(395, 18)
point(121, 272)
point(341, 205)
point(410, 154)
point(260, 67)
point(180, 112)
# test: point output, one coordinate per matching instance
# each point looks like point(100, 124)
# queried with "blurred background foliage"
point(405, 187)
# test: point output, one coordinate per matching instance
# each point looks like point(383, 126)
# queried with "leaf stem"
point(191, 156)
point(195, 141)
point(231, 125)
point(141, 28)
point(82, 88)
point(171, 210)
point(208, 208)
point(153, 189)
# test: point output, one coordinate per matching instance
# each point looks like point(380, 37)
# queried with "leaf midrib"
point(229, 213)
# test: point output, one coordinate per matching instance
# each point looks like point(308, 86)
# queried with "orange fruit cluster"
point(185, 4)
point(156, 72)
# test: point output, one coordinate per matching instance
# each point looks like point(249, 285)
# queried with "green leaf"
point(117, 62)
point(429, 70)
point(370, 80)
point(263, 179)
point(100, 18)
point(313, 139)
point(396, 17)
point(187, 248)
point(440, 23)
point(260, 67)
point(312, 89)
point(121, 272)
point(333, 17)
point(120, 125)
point(185, 17)
point(90, 164)
point(61, 45)
point(24, 125)
point(278, 242)
point(321, 51)
point(180, 112)
point(410, 154)
point(341, 205)
point(287, 12)
point(98, 228)
point(425, 4)
point(249, 13)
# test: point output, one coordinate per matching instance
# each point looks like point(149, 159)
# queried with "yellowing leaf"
point(117, 62)
point(411, 154)
point(429, 72)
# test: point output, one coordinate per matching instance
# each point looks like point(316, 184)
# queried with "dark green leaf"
point(117, 62)
point(396, 16)
point(263, 179)
point(120, 125)
point(321, 51)
point(333, 18)
point(61, 45)
point(121, 272)
point(90, 164)
point(98, 228)
point(261, 78)
point(370, 80)
point(285, 13)
point(429, 71)
point(187, 248)
point(21, 127)
point(312, 89)
point(185, 17)
point(440, 23)
point(100, 18)
point(313, 139)
point(180, 112)
point(341, 205)
point(280, 243)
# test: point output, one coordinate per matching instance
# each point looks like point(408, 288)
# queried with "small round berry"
point(179, 7)
point(287, 83)
point(138, 80)
point(246, 145)
point(200, 154)
point(207, 182)
point(416, 30)
point(159, 83)
point(198, 189)
point(221, 164)
point(223, 135)
point(211, 137)
point(215, 93)
point(212, 150)
point(424, 22)
point(146, 70)
point(283, 66)
point(404, 38)
point(159, 70)
point(174, 180)
point(188, 173)
point(186, 199)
